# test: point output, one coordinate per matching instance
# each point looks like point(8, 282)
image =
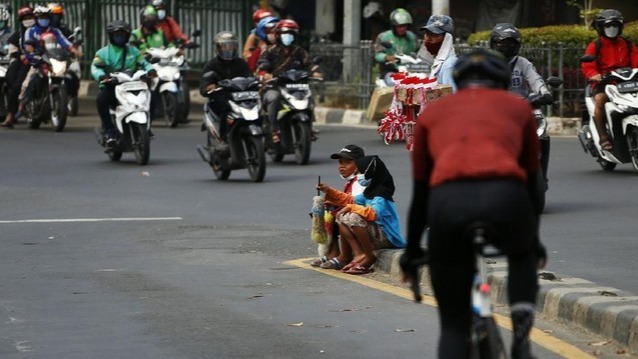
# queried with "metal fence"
point(210, 16)
point(356, 90)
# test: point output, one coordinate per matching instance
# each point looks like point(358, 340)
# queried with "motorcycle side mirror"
point(316, 60)
point(386, 44)
point(154, 60)
point(265, 66)
point(77, 30)
point(196, 33)
point(588, 58)
point(554, 81)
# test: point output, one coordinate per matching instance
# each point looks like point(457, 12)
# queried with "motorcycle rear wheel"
point(59, 108)
point(632, 145)
point(141, 143)
point(606, 165)
point(172, 111)
point(255, 158)
point(302, 139)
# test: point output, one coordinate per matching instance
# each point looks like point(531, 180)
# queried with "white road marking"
point(75, 220)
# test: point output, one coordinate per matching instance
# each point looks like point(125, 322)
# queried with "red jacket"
point(477, 133)
point(612, 55)
point(171, 30)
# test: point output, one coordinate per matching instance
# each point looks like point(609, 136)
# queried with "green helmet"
point(400, 17)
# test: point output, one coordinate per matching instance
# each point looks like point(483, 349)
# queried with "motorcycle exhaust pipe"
point(203, 153)
point(584, 136)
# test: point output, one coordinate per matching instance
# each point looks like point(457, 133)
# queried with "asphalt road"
point(175, 264)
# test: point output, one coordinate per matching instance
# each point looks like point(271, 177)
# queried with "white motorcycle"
point(621, 119)
point(410, 64)
point(131, 117)
point(169, 82)
point(4, 86)
point(75, 70)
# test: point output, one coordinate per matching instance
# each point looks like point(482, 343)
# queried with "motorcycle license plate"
point(245, 95)
point(628, 87)
point(133, 86)
point(298, 86)
point(417, 68)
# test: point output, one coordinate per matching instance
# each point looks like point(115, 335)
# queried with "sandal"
point(317, 262)
point(606, 145)
point(331, 264)
point(275, 137)
point(359, 269)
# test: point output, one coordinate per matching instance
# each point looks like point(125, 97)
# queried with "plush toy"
point(318, 232)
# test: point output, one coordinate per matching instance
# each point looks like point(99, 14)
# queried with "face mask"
point(28, 23)
point(271, 38)
point(44, 22)
point(361, 178)
point(611, 31)
point(287, 39)
point(120, 40)
point(349, 178)
point(161, 14)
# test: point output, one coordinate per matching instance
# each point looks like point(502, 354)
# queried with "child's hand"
point(323, 187)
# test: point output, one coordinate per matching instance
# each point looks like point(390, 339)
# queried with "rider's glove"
point(410, 262)
point(548, 99)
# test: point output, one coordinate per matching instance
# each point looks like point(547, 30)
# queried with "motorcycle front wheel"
point(59, 108)
point(185, 103)
point(141, 143)
point(172, 112)
point(632, 145)
point(301, 141)
point(255, 158)
point(73, 106)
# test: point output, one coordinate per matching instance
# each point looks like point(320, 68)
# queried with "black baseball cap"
point(351, 152)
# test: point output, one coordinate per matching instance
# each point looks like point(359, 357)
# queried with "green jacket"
point(406, 44)
point(154, 39)
point(109, 59)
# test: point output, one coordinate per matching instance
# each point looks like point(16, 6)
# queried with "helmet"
point(438, 24)
point(25, 11)
point(260, 14)
point(56, 8)
point(158, 3)
point(5, 13)
point(265, 23)
point(148, 17)
point(400, 17)
point(506, 39)
point(40, 10)
point(118, 26)
point(226, 45)
point(287, 25)
point(608, 17)
point(482, 67)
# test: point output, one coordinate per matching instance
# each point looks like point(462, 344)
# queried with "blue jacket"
point(387, 218)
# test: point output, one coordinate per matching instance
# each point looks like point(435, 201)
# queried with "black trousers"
point(16, 73)
point(452, 208)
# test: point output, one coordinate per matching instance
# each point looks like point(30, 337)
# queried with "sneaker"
point(110, 137)
point(222, 146)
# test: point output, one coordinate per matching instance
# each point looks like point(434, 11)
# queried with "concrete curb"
point(556, 126)
point(605, 311)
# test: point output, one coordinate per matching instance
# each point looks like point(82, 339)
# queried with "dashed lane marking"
point(76, 220)
point(546, 340)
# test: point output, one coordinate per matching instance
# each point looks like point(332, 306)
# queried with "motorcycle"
point(621, 119)
point(184, 69)
point(537, 102)
point(75, 70)
point(4, 86)
point(48, 101)
point(410, 64)
point(244, 134)
point(131, 117)
point(294, 117)
point(171, 65)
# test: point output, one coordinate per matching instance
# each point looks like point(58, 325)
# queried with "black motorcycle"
point(244, 147)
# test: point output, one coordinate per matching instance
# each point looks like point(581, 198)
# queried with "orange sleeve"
point(339, 198)
point(368, 213)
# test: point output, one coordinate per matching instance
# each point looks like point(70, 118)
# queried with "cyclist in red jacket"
point(169, 26)
point(612, 52)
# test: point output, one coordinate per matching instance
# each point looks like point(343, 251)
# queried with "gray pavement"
point(602, 310)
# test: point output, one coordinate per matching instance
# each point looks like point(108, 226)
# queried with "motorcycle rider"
point(612, 51)
point(169, 26)
point(34, 45)
point(283, 56)
point(253, 40)
point(148, 35)
point(437, 50)
point(57, 20)
point(119, 55)
point(403, 41)
point(5, 33)
point(19, 66)
point(265, 32)
point(225, 65)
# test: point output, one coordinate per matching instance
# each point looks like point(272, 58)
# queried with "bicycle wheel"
point(486, 340)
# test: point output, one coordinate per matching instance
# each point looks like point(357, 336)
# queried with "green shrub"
point(569, 35)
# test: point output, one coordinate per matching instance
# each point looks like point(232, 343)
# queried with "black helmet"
point(481, 67)
point(506, 39)
point(118, 26)
point(606, 18)
point(226, 45)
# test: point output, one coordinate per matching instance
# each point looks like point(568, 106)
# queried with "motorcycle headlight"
point(176, 76)
point(58, 67)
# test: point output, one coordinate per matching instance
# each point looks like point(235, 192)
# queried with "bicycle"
point(486, 340)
